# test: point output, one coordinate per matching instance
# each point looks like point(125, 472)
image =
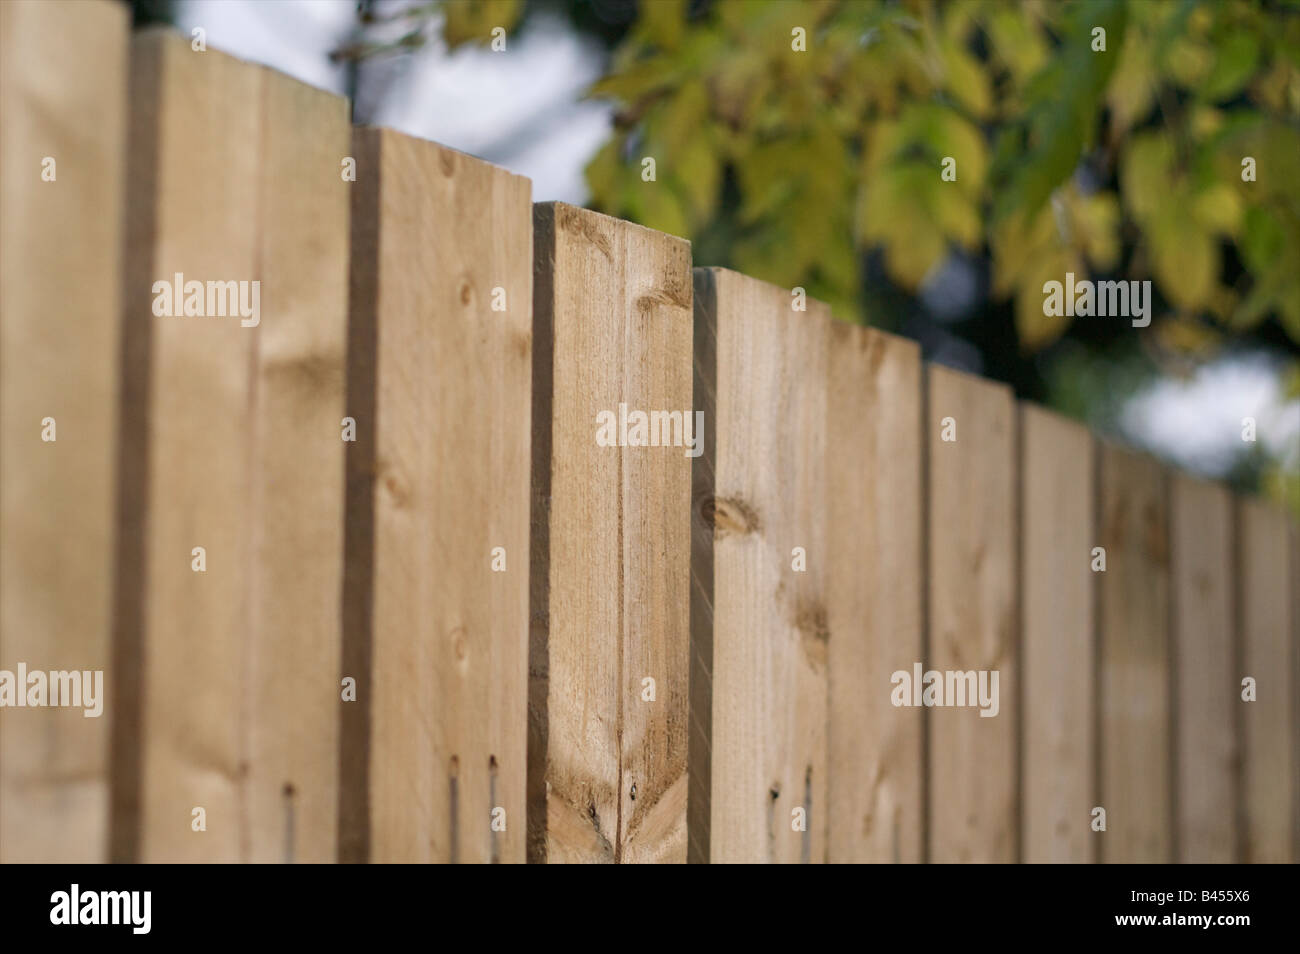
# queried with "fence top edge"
point(817, 309)
point(866, 335)
point(380, 134)
point(568, 209)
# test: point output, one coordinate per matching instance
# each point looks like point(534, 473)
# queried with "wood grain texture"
point(293, 640)
point(1057, 650)
point(63, 96)
point(231, 441)
point(611, 544)
point(874, 582)
point(439, 384)
point(1206, 682)
point(770, 628)
point(1269, 732)
point(1136, 732)
point(972, 608)
point(195, 216)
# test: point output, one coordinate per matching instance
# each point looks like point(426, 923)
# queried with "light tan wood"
point(873, 514)
point(63, 96)
point(439, 385)
point(1206, 681)
point(1269, 734)
point(972, 607)
point(1057, 535)
point(193, 204)
point(770, 628)
point(293, 640)
point(610, 559)
point(1136, 735)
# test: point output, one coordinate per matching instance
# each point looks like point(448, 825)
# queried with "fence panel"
point(1269, 738)
point(437, 599)
point(1206, 678)
point(1135, 745)
point(425, 557)
point(1057, 535)
point(609, 646)
point(873, 503)
point(295, 632)
point(767, 364)
point(972, 606)
point(179, 759)
point(60, 275)
point(228, 637)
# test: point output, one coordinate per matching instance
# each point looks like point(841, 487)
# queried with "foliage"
point(1124, 162)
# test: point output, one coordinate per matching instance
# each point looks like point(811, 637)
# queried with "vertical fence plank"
point(60, 257)
point(1057, 650)
point(972, 797)
point(438, 379)
point(226, 664)
point(1269, 735)
point(873, 504)
point(1205, 672)
point(187, 416)
point(611, 544)
point(1136, 734)
point(294, 636)
point(769, 558)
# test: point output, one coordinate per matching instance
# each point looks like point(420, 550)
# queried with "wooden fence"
point(367, 585)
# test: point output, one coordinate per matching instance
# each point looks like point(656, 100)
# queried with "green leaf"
point(1235, 58)
point(1184, 258)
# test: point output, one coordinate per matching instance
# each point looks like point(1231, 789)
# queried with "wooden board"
point(63, 96)
point(972, 609)
point(1269, 733)
point(611, 543)
point(1057, 534)
point(1206, 681)
point(768, 369)
point(294, 637)
point(1135, 733)
point(874, 585)
point(192, 210)
point(438, 382)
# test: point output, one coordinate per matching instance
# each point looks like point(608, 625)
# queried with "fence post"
point(1057, 664)
point(436, 606)
point(609, 645)
point(62, 130)
point(972, 615)
point(873, 526)
point(766, 364)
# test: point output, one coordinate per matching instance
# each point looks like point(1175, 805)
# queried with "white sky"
point(522, 109)
point(519, 108)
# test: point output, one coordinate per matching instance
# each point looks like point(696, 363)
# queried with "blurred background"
point(820, 168)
